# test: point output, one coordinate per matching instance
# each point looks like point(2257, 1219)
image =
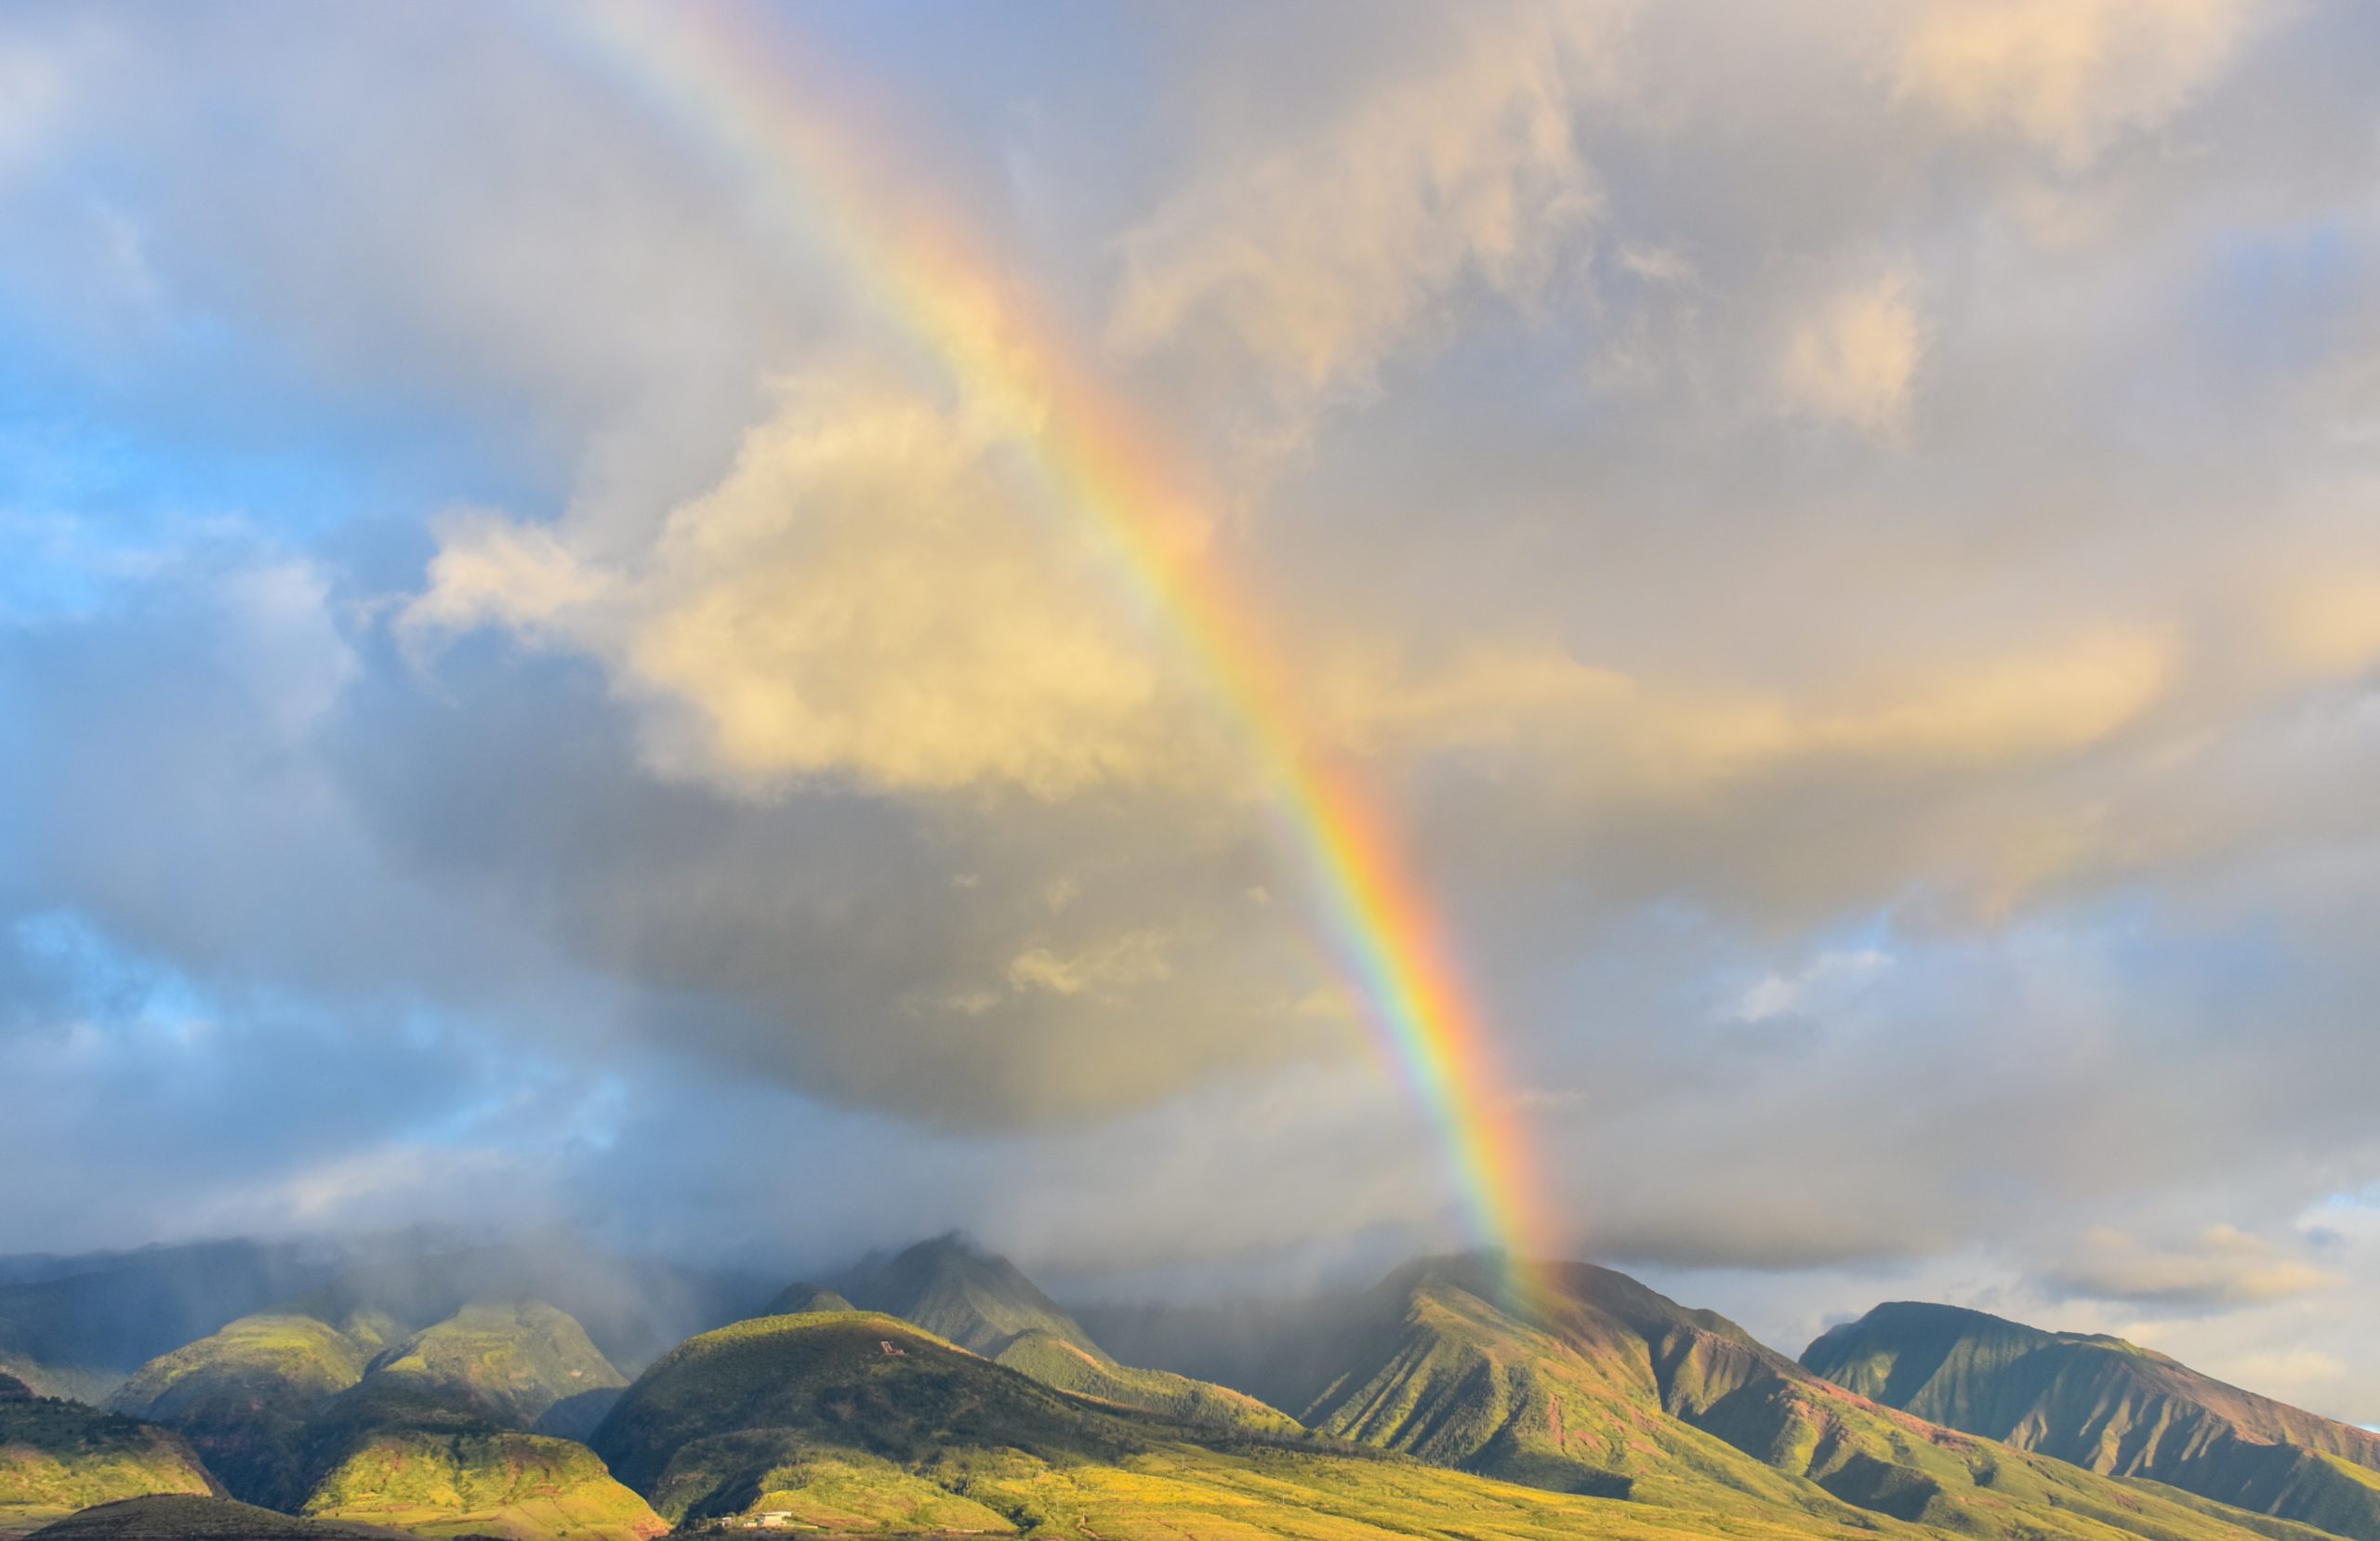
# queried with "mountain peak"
point(955, 1289)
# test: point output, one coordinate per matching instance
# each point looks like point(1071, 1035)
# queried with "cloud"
point(866, 595)
point(1606, 732)
point(1856, 361)
point(1133, 958)
point(2071, 75)
point(774, 778)
point(1315, 260)
point(2222, 1267)
point(1821, 986)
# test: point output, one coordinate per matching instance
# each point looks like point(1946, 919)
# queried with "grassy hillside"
point(825, 1383)
point(425, 1430)
point(514, 1359)
point(245, 1396)
point(433, 1451)
point(1053, 1361)
point(481, 1483)
point(1606, 1386)
point(2110, 1407)
point(58, 1456)
point(810, 1416)
point(985, 1304)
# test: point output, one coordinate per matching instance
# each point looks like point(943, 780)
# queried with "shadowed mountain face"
point(2104, 1403)
point(976, 1300)
point(77, 1326)
point(171, 1518)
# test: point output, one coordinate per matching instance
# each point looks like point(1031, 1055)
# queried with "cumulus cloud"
point(865, 595)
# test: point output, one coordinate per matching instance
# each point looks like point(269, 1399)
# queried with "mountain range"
point(938, 1391)
point(2112, 1406)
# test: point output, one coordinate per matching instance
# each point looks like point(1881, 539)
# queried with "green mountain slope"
point(1054, 1361)
point(952, 1290)
point(810, 1416)
point(481, 1481)
point(701, 1432)
point(431, 1454)
point(1603, 1385)
point(246, 1395)
point(281, 1404)
point(984, 1303)
point(57, 1456)
point(514, 1359)
point(2108, 1405)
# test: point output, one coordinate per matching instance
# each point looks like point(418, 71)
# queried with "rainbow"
point(727, 83)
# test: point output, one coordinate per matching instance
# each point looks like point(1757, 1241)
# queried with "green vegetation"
point(280, 1402)
point(832, 1382)
point(59, 1456)
point(513, 1360)
point(809, 1415)
point(982, 1303)
point(497, 1482)
point(2109, 1407)
point(845, 1493)
point(1053, 1361)
point(812, 1418)
point(1443, 1404)
point(246, 1395)
point(1602, 1386)
point(428, 1452)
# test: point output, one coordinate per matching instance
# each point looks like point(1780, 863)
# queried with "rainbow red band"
point(719, 78)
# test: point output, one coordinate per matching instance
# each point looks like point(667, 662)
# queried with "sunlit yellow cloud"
point(2223, 1265)
point(1619, 734)
point(2069, 74)
point(865, 595)
point(1856, 360)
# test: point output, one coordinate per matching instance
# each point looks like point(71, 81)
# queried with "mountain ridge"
point(2110, 1407)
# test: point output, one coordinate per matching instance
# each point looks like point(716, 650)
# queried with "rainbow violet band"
point(731, 86)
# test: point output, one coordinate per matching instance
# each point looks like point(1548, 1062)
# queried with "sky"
point(1839, 538)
